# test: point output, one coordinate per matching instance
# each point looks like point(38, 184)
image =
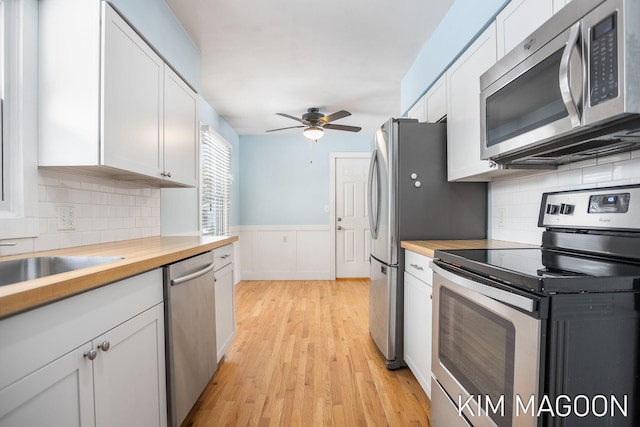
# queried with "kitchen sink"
point(20, 270)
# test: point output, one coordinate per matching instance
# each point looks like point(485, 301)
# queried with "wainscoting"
point(301, 252)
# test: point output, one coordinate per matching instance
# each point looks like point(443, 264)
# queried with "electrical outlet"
point(66, 218)
point(502, 217)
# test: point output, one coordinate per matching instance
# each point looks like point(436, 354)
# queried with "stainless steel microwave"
point(569, 92)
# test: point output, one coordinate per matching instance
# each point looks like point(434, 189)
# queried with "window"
point(215, 183)
point(19, 141)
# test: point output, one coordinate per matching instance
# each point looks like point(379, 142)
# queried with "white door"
point(352, 221)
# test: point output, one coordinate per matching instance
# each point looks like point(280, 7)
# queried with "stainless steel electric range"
point(546, 336)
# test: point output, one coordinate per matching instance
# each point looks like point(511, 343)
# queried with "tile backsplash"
point(102, 210)
point(514, 203)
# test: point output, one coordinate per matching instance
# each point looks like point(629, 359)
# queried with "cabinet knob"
point(91, 354)
point(104, 345)
point(339, 227)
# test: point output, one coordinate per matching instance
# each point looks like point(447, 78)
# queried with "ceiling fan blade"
point(343, 127)
point(290, 127)
point(335, 116)
point(291, 117)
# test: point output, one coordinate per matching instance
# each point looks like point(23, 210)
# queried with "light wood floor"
point(303, 356)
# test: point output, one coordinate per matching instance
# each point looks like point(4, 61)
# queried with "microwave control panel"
point(603, 60)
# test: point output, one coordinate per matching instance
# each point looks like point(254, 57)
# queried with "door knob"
point(339, 227)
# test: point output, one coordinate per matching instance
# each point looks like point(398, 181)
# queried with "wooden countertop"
point(139, 255)
point(428, 247)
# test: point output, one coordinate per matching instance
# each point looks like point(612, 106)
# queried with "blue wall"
point(464, 21)
point(285, 178)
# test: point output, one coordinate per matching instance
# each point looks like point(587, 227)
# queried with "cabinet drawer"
point(223, 256)
point(418, 265)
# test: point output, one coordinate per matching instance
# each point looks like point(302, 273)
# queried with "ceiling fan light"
point(313, 133)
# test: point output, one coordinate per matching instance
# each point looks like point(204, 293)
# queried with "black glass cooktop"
point(547, 270)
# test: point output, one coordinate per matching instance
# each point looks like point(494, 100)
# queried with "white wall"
point(514, 204)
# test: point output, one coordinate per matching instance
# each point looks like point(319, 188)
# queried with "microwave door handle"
point(515, 300)
point(564, 76)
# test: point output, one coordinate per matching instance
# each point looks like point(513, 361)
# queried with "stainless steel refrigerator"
point(409, 198)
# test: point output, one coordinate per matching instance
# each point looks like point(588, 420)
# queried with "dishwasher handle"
point(192, 276)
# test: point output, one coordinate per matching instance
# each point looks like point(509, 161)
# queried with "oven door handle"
point(510, 298)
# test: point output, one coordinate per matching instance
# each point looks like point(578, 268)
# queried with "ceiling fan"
point(315, 123)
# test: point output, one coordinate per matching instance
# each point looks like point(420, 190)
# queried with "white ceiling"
point(260, 57)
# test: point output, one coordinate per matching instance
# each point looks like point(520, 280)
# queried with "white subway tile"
point(595, 174)
point(46, 242)
point(627, 170)
point(620, 157)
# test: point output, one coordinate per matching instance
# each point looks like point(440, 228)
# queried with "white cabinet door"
point(518, 20)
point(419, 110)
point(463, 107)
point(180, 130)
point(129, 376)
point(432, 107)
point(436, 100)
point(417, 329)
point(225, 309)
point(131, 100)
point(58, 394)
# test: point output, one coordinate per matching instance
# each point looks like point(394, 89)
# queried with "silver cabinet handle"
point(91, 354)
point(225, 256)
point(565, 83)
point(417, 267)
point(192, 276)
point(104, 345)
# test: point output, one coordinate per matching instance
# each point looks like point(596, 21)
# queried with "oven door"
point(539, 99)
point(485, 351)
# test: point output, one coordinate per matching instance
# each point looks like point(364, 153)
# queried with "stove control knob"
point(553, 209)
point(566, 209)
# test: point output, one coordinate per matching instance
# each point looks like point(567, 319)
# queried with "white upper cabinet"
point(437, 100)
point(432, 107)
point(108, 102)
point(180, 130)
point(463, 108)
point(518, 20)
point(419, 110)
point(132, 85)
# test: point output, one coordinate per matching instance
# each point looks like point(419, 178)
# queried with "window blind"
point(215, 183)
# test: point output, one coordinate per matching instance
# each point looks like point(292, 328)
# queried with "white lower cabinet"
point(417, 317)
point(225, 299)
point(113, 371)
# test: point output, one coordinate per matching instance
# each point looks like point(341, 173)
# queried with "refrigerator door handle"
point(373, 213)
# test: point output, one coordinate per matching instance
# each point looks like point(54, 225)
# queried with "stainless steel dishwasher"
point(190, 327)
